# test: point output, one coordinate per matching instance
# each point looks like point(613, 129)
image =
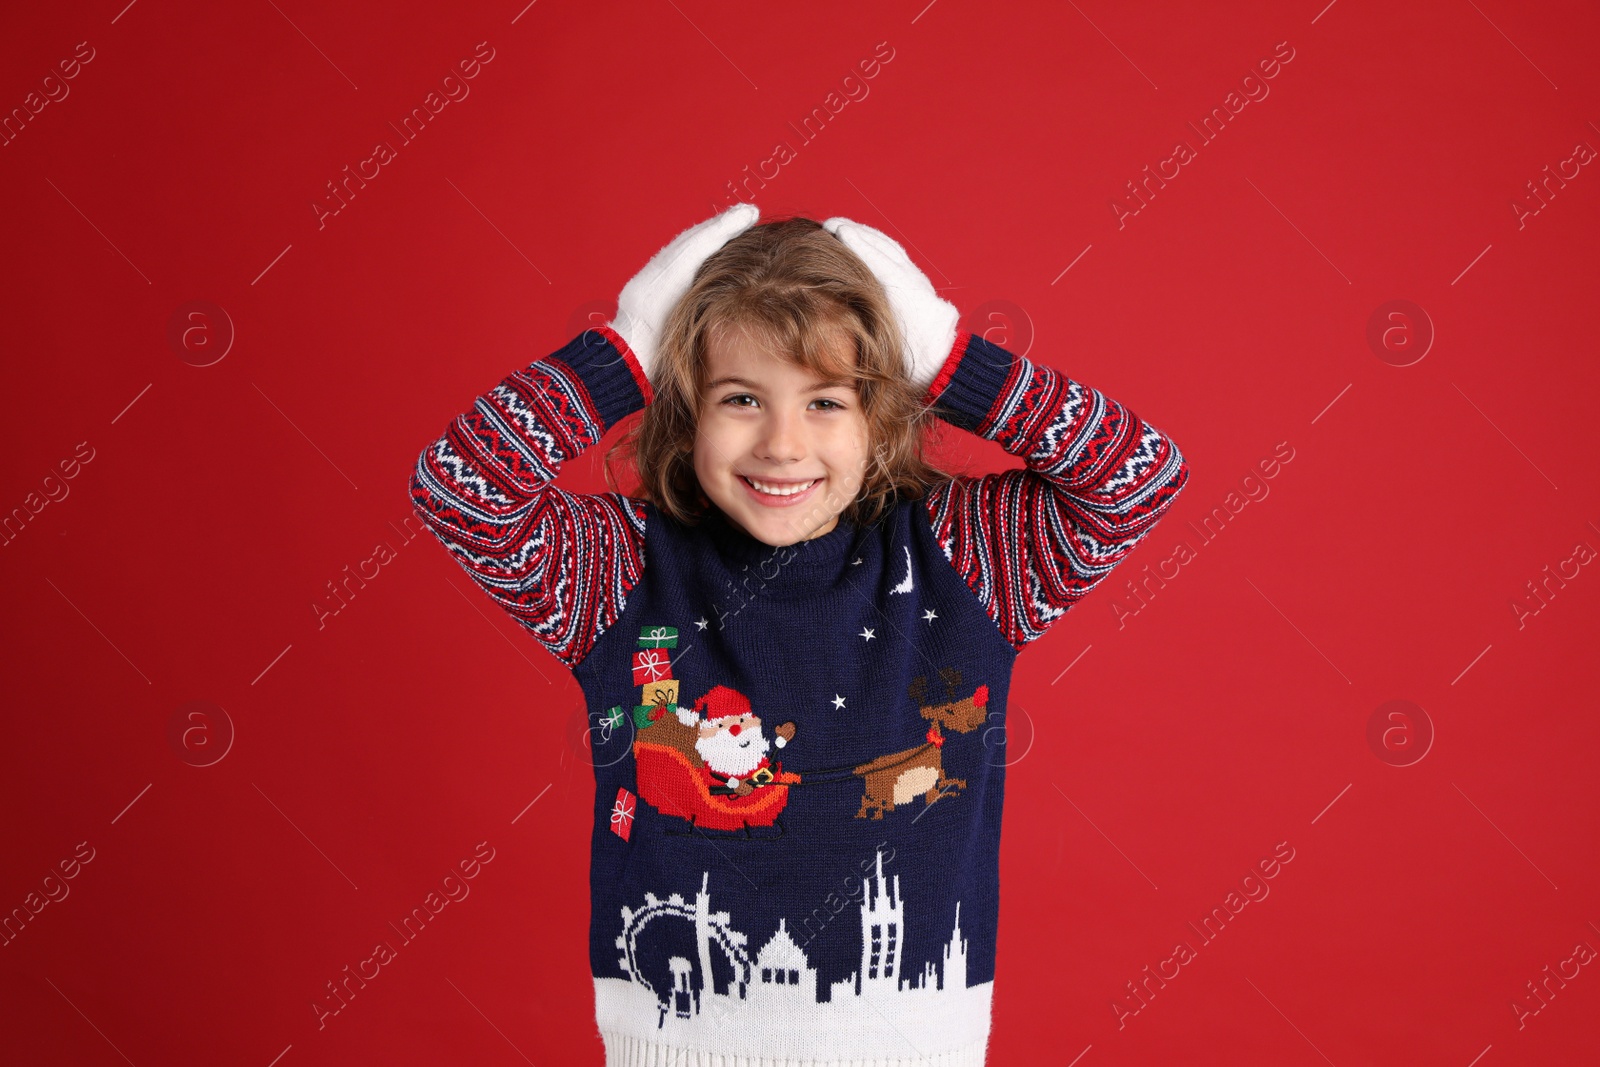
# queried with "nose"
point(734, 729)
point(783, 438)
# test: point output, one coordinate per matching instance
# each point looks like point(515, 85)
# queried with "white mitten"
point(928, 322)
point(649, 296)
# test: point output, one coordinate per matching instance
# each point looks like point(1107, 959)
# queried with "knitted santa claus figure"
point(731, 743)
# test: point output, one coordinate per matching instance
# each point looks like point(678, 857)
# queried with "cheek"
point(707, 452)
point(848, 444)
point(716, 444)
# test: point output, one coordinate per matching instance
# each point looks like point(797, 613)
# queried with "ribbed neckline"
point(823, 556)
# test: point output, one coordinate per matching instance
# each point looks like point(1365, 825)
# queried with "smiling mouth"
point(779, 489)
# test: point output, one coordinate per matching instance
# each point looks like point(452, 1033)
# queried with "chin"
point(766, 533)
point(778, 532)
point(780, 535)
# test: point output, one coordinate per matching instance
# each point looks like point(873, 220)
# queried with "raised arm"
point(560, 563)
point(1031, 543)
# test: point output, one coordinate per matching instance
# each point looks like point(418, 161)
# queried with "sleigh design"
point(675, 786)
point(676, 773)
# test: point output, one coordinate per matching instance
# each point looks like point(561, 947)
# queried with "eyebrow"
point(834, 383)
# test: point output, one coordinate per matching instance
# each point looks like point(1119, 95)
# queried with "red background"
point(373, 752)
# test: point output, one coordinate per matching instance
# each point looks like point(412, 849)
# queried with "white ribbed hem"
point(782, 1026)
point(625, 1050)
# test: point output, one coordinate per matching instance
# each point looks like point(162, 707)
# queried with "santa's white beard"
point(731, 755)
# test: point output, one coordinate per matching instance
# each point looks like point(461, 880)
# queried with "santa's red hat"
point(722, 702)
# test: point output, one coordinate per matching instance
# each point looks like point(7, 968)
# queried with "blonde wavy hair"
point(792, 286)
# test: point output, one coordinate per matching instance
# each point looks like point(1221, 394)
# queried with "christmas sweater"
point(799, 752)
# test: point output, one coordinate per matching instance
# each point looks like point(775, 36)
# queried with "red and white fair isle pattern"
point(1029, 543)
point(560, 563)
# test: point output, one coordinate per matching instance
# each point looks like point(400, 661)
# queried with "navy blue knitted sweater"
point(800, 751)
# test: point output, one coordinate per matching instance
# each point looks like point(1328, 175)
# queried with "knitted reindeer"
point(901, 777)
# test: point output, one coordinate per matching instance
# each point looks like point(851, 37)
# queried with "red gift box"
point(651, 665)
point(622, 813)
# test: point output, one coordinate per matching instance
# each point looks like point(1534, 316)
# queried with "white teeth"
point(774, 490)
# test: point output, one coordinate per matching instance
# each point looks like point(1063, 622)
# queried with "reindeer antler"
point(918, 689)
point(952, 680)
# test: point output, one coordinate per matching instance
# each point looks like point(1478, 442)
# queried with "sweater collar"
point(819, 556)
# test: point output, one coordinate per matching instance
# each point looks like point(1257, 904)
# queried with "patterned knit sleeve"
point(1031, 543)
point(560, 563)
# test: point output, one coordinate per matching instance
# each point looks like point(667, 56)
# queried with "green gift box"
point(658, 637)
point(613, 718)
point(646, 714)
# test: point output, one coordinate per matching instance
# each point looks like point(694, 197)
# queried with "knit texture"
point(799, 752)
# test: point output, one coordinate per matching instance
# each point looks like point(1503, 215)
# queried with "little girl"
point(796, 639)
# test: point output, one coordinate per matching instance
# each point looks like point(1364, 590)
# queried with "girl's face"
point(779, 452)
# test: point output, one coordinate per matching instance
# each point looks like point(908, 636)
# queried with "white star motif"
point(838, 701)
point(855, 561)
point(702, 622)
point(866, 633)
point(930, 615)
